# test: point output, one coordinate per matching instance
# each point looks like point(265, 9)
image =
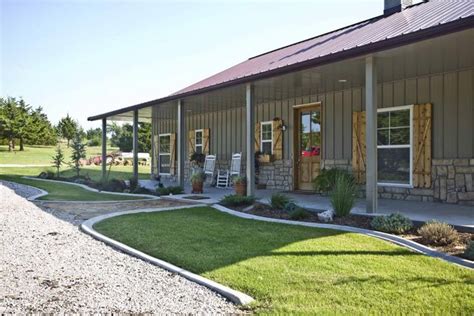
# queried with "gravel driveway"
point(47, 265)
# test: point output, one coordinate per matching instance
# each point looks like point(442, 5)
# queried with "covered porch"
point(438, 72)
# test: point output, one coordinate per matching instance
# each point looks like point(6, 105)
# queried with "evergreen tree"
point(68, 128)
point(58, 160)
point(78, 153)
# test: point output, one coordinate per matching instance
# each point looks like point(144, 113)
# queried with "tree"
point(40, 131)
point(78, 153)
point(8, 120)
point(94, 136)
point(122, 137)
point(68, 128)
point(58, 160)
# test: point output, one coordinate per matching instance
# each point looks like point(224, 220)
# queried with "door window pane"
point(165, 164)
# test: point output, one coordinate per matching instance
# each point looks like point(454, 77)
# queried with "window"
point(198, 141)
point(164, 161)
point(394, 146)
point(266, 138)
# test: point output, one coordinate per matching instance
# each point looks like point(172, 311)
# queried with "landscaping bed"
point(296, 269)
point(456, 248)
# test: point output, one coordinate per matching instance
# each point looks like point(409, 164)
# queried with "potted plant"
point(240, 184)
point(197, 161)
point(197, 181)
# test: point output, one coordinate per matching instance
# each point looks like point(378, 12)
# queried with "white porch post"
point(104, 148)
point(135, 144)
point(371, 133)
point(250, 116)
point(180, 143)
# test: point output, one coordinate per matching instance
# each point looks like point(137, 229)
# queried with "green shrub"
point(299, 214)
point(394, 223)
point(326, 180)
point(114, 185)
point(290, 207)
point(46, 175)
point(170, 190)
point(279, 200)
point(469, 253)
point(133, 184)
point(343, 196)
point(237, 200)
point(438, 234)
point(198, 176)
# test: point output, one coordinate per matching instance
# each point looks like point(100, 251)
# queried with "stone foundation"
point(453, 181)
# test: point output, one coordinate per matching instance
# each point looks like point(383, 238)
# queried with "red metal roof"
point(415, 18)
point(415, 23)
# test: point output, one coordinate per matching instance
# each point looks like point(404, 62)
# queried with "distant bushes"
point(325, 182)
point(279, 200)
point(170, 190)
point(237, 200)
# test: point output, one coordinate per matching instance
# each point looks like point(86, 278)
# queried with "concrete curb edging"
point(85, 187)
point(384, 236)
point(233, 295)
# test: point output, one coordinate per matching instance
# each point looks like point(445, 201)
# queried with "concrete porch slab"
point(459, 215)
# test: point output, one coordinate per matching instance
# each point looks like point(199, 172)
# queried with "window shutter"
point(257, 136)
point(173, 153)
point(422, 122)
point(205, 140)
point(191, 143)
point(358, 146)
point(277, 139)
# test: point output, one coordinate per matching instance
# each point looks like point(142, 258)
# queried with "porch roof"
point(419, 22)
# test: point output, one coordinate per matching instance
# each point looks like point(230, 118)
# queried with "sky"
point(85, 57)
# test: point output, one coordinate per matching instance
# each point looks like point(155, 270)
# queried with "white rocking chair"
point(224, 177)
point(209, 167)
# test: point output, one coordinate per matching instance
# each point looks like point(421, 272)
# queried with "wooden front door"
point(307, 145)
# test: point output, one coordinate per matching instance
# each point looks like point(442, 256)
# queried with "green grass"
point(295, 269)
point(41, 155)
point(67, 192)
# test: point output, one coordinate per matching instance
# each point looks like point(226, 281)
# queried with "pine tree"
point(68, 128)
point(78, 153)
point(58, 160)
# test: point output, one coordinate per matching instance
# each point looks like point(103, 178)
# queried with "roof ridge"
point(378, 17)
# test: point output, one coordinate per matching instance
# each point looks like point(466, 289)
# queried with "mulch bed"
point(360, 221)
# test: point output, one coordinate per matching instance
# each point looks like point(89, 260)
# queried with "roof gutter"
point(436, 31)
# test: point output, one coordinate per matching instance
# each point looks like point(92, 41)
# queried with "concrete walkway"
point(459, 215)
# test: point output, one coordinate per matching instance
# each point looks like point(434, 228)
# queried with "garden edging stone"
point(35, 197)
point(231, 294)
point(384, 236)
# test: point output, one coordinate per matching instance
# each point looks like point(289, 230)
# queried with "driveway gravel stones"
point(48, 266)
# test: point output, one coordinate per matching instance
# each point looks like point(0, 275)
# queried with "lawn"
point(68, 192)
point(40, 155)
point(295, 269)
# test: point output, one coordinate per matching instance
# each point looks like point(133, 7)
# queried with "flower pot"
point(240, 189)
point(197, 187)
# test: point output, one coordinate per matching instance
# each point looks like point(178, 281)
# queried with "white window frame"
point(261, 136)
point(202, 140)
point(160, 154)
point(393, 109)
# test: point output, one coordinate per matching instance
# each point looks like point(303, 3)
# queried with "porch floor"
point(459, 215)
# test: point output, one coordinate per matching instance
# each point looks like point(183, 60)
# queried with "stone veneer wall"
point(452, 180)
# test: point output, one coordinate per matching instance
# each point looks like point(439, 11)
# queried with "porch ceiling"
point(409, 61)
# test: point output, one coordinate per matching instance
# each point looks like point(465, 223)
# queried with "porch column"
point(250, 116)
point(135, 144)
point(180, 144)
point(104, 148)
point(371, 133)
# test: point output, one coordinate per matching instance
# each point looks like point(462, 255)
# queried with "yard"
point(294, 269)
point(68, 192)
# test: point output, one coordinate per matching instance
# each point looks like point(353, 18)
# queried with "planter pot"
point(197, 187)
point(240, 189)
point(265, 158)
